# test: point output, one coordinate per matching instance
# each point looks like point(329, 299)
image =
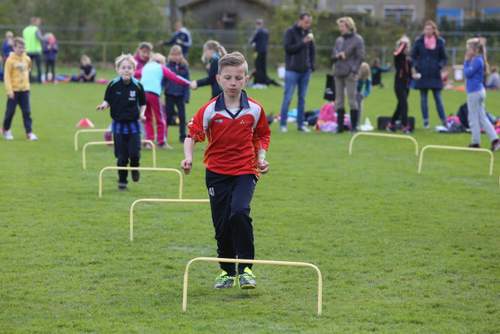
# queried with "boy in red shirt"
point(238, 138)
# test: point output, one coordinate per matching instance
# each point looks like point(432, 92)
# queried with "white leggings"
point(477, 117)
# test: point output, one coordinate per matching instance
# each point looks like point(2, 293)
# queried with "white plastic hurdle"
point(94, 143)
point(455, 148)
point(151, 169)
point(270, 262)
point(386, 135)
point(157, 200)
point(78, 132)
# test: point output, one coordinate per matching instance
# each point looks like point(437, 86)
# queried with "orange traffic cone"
point(85, 123)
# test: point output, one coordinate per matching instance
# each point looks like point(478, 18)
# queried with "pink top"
point(167, 74)
point(140, 64)
point(170, 75)
point(327, 113)
point(430, 42)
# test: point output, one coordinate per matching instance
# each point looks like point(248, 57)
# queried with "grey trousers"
point(477, 117)
point(345, 85)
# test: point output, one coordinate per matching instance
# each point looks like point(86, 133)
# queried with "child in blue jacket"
point(177, 95)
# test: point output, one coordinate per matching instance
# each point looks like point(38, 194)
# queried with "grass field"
point(400, 252)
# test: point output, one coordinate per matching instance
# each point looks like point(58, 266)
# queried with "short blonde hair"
point(349, 22)
point(364, 71)
point(84, 59)
point(18, 41)
point(125, 57)
point(178, 50)
point(159, 58)
point(233, 59)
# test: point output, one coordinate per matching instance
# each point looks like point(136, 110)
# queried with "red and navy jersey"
point(234, 138)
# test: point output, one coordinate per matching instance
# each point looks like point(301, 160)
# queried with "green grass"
point(400, 252)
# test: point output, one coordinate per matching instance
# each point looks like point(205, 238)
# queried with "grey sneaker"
point(247, 279)
point(122, 186)
point(31, 136)
point(224, 281)
point(7, 134)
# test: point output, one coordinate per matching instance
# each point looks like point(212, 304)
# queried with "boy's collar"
point(220, 104)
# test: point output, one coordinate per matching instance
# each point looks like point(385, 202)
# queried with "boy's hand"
point(187, 165)
point(193, 84)
point(142, 117)
point(102, 106)
point(263, 166)
point(10, 95)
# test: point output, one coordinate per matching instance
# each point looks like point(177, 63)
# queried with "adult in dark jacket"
point(299, 63)
point(428, 59)
point(347, 57)
point(259, 41)
point(181, 37)
point(212, 52)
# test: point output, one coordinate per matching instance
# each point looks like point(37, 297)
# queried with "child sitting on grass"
point(87, 71)
point(238, 138)
point(127, 101)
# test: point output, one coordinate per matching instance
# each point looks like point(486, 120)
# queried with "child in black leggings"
point(402, 79)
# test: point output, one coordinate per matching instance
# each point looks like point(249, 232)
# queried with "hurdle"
point(386, 135)
point(95, 143)
point(236, 261)
point(454, 148)
point(150, 169)
point(78, 132)
point(157, 200)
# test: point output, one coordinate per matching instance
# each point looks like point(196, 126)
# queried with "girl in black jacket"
point(212, 52)
point(402, 79)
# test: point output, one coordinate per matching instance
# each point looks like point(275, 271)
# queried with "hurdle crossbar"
point(386, 135)
point(151, 169)
point(454, 148)
point(94, 143)
point(78, 132)
point(236, 261)
point(157, 200)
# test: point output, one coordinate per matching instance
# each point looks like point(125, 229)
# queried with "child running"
point(475, 68)
point(127, 101)
point(238, 138)
point(152, 76)
point(17, 85)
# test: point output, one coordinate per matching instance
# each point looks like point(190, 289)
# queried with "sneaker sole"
point(247, 287)
point(223, 287)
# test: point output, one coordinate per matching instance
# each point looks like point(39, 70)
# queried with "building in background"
point(228, 14)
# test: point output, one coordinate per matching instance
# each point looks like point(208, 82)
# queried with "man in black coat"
point(299, 63)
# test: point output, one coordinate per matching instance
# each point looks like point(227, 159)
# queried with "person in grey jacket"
point(347, 57)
